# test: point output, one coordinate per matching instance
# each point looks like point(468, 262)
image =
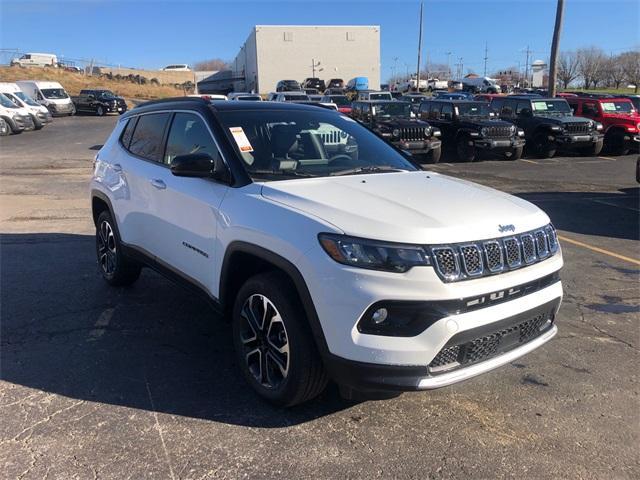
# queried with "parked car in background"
point(357, 84)
point(486, 97)
point(314, 82)
point(334, 91)
point(415, 100)
point(50, 94)
point(315, 98)
point(480, 85)
point(336, 83)
point(549, 125)
point(291, 97)
point(99, 102)
point(210, 96)
point(18, 118)
point(470, 128)
point(365, 96)
point(177, 67)
point(635, 99)
point(435, 84)
point(618, 116)
point(39, 114)
point(394, 121)
point(565, 95)
point(454, 96)
point(411, 85)
point(288, 86)
point(245, 97)
point(36, 60)
point(311, 91)
point(341, 101)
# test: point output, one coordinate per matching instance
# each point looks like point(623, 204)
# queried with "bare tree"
point(614, 72)
point(567, 68)
point(630, 62)
point(591, 63)
point(211, 65)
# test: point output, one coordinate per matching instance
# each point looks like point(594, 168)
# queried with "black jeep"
point(549, 125)
point(470, 127)
point(395, 122)
point(99, 102)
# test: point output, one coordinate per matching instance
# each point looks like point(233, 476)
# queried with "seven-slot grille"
point(498, 131)
point(412, 133)
point(469, 260)
point(582, 127)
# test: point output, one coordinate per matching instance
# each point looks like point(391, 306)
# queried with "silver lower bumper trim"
point(445, 379)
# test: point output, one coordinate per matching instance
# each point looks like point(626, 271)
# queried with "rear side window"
point(128, 132)
point(189, 134)
point(146, 141)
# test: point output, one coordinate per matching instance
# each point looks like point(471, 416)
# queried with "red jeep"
point(618, 116)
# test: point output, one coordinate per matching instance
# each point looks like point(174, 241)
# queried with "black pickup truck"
point(99, 102)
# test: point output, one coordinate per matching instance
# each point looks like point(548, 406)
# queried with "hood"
point(484, 122)
point(565, 119)
point(411, 207)
point(623, 118)
point(402, 122)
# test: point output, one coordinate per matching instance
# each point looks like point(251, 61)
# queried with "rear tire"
point(543, 146)
point(514, 154)
point(5, 130)
point(274, 347)
point(593, 149)
point(466, 152)
point(115, 267)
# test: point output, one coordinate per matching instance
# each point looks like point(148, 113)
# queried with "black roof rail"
point(173, 100)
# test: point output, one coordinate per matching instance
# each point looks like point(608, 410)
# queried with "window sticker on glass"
point(539, 106)
point(608, 106)
point(241, 139)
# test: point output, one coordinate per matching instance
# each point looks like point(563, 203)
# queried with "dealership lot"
point(141, 382)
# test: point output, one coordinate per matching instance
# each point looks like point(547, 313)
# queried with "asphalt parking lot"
point(99, 382)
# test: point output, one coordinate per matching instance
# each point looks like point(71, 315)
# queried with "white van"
point(18, 118)
point(39, 113)
point(36, 60)
point(480, 84)
point(179, 67)
point(49, 94)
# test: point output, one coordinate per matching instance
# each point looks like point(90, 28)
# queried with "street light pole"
point(555, 43)
point(419, 51)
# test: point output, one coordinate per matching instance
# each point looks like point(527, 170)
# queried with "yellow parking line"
point(599, 250)
point(530, 161)
point(609, 158)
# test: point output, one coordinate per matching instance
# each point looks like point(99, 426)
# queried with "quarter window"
point(447, 111)
point(146, 141)
point(128, 132)
point(189, 134)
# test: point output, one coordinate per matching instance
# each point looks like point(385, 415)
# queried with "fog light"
point(379, 316)
point(452, 326)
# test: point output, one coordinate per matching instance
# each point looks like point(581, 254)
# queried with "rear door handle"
point(159, 184)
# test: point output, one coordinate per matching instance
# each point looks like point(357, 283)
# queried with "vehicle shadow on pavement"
point(152, 346)
point(604, 214)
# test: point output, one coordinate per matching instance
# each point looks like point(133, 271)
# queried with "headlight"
point(396, 132)
point(427, 131)
point(373, 254)
point(556, 128)
point(436, 132)
point(520, 133)
point(484, 131)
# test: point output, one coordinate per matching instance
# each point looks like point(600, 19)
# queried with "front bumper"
point(117, 108)
point(578, 140)
point(479, 350)
point(499, 143)
point(60, 110)
point(418, 146)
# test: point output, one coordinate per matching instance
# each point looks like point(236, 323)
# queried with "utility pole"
point(526, 68)
point(486, 51)
point(555, 44)
point(449, 64)
point(419, 51)
point(314, 65)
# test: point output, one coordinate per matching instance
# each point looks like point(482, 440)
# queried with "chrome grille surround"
point(469, 260)
point(582, 127)
point(499, 131)
point(412, 133)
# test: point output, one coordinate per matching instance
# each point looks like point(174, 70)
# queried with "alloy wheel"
point(265, 341)
point(106, 248)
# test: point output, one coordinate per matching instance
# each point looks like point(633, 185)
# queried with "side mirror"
point(198, 165)
point(91, 96)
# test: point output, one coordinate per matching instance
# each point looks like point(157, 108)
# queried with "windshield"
point(105, 94)
point(26, 99)
point(414, 99)
point(283, 144)
point(54, 93)
point(5, 102)
point(296, 97)
point(543, 107)
point(340, 100)
point(617, 106)
point(380, 96)
point(392, 109)
point(249, 97)
point(473, 109)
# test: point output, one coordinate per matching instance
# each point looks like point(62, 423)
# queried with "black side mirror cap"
point(199, 165)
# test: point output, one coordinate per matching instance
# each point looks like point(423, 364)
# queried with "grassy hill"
point(74, 82)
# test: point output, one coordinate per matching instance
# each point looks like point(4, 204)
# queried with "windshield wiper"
point(291, 173)
point(368, 169)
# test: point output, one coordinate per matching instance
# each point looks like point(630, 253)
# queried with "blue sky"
point(151, 34)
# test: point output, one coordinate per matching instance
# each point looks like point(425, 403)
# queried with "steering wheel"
point(341, 157)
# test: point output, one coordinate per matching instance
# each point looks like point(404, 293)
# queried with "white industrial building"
point(288, 52)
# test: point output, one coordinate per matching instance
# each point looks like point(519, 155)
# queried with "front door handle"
point(159, 184)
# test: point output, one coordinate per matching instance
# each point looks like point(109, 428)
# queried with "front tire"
point(616, 144)
point(593, 150)
point(434, 155)
point(543, 145)
point(100, 111)
point(5, 130)
point(116, 269)
point(274, 346)
point(514, 154)
point(465, 149)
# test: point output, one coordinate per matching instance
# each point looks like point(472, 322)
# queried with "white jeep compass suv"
point(334, 260)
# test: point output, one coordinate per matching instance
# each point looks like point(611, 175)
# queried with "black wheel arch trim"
point(288, 268)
